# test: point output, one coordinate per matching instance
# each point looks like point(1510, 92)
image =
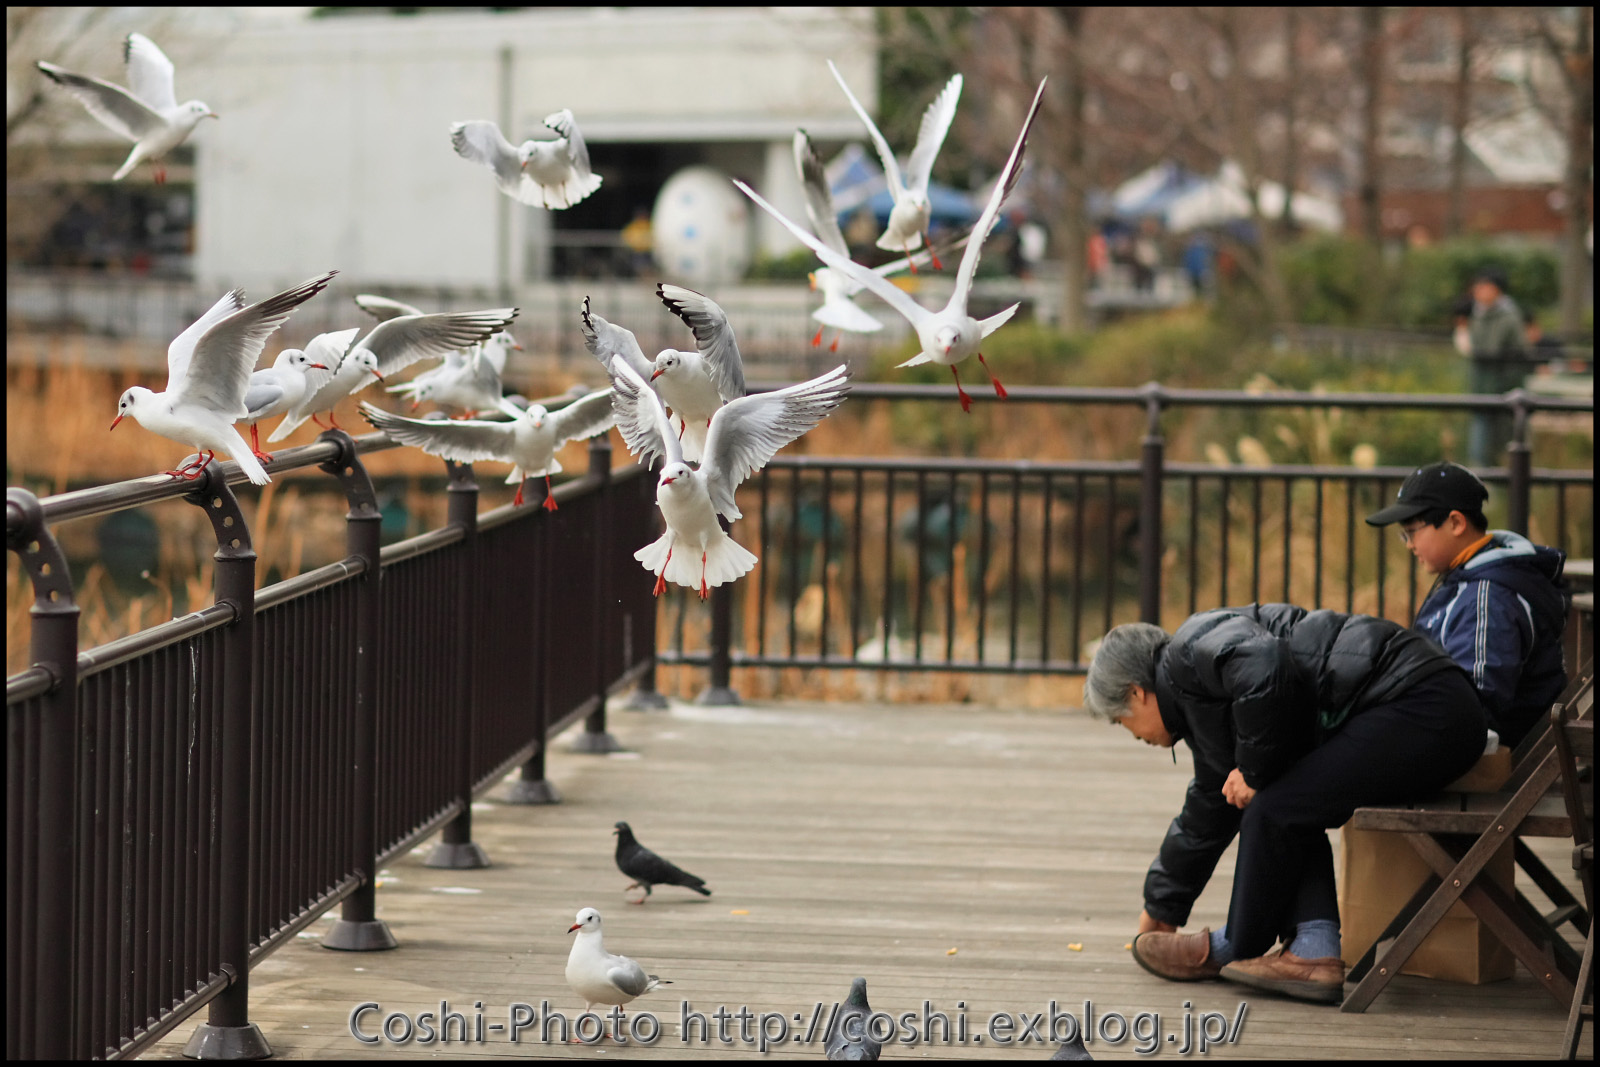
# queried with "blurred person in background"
point(1499, 362)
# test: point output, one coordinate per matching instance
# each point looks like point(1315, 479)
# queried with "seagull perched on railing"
point(528, 442)
point(908, 220)
point(149, 116)
point(551, 174)
point(745, 434)
point(471, 380)
point(949, 335)
point(838, 309)
point(208, 374)
point(393, 345)
point(274, 390)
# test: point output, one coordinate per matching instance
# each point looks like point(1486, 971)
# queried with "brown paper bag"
point(1380, 872)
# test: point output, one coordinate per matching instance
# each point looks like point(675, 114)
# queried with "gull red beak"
point(654, 375)
point(378, 376)
point(317, 366)
point(518, 347)
point(666, 481)
point(574, 926)
point(114, 422)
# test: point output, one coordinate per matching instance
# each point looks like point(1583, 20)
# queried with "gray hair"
point(1126, 657)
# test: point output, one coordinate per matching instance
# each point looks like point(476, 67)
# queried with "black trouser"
point(1403, 750)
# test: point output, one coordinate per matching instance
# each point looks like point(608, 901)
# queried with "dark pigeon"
point(852, 1043)
point(1072, 1050)
point(648, 869)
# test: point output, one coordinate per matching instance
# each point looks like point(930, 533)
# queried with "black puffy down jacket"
point(1257, 687)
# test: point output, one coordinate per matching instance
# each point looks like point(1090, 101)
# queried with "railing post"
point(594, 738)
point(1150, 470)
point(228, 1033)
point(721, 691)
point(358, 928)
point(644, 696)
point(1519, 465)
point(456, 850)
point(531, 786)
point(45, 1002)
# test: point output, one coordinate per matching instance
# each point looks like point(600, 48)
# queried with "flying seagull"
point(551, 174)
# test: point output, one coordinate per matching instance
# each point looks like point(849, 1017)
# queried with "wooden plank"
point(860, 840)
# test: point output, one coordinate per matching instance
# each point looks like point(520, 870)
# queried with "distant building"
point(333, 147)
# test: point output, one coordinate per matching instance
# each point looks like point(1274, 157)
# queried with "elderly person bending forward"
point(1295, 719)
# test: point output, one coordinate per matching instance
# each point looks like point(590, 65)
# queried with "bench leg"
point(1582, 1004)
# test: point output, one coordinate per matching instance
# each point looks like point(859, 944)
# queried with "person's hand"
point(1235, 792)
point(1147, 924)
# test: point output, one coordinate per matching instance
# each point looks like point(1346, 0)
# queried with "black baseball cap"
point(1444, 486)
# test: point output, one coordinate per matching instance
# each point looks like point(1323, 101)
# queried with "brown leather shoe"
point(1176, 957)
point(1320, 980)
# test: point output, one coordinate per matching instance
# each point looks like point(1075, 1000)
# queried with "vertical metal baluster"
point(921, 571)
point(1383, 556)
point(1079, 537)
point(983, 563)
point(793, 553)
point(827, 518)
point(136, 914)
point(1224, 484)
point(1194, 542)
point(950, 572)
point(1255, 538)
point(1316, 592)
point(1045, 585)
point(1152, 452)
point(888, 562)
point(1288, 527)
point(1111, 550)
point(1014, 607)
point(855, 556)
point(761, 574)
point(1350, 545)
point(595, 738)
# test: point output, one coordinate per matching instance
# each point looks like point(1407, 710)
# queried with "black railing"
point(857, 555)
point(182, 801)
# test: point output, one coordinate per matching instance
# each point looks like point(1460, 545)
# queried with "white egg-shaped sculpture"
point(701, 228)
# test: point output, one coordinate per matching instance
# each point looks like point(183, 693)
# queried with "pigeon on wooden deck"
point(648, 869)
point(847, 1038)
point(602, 977)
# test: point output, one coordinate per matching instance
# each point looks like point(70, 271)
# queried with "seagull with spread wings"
point(745, 434)
point(950, 334)
point(552, 174)
point(912, 211)
point(208, 375)
point(149, 116)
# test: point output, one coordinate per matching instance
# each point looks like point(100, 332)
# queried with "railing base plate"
point(718, 695)
point(595, 744)
point(457, 856)
point(645, 700)
point(533, 791)
point(227, 1043)
point(348, 935)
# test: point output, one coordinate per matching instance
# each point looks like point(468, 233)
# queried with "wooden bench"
point(1456, 834)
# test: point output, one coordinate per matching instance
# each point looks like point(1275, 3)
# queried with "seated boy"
point(1495, 606)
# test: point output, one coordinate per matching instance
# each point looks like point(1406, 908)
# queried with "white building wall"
point(333, 149)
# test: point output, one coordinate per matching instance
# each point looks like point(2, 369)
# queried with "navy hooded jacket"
point(1500, 616)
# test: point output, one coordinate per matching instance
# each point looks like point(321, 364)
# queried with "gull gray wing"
point(713, 336)
point(150, 72)
point(218, 375)
point(628, 976)
point(577, 151)
point(891, 169)
point(592, 414)
point(383, 309)
point(890, 293)
point(747, 432)
point(991, 211)
point(261, 395)
point(459, 440)
point(114, 106)
point(819, 196)
point(606, 341)
point(642, 418)
point(930, 136)
point(181, 350)
point(482, 142)
point(399, 342)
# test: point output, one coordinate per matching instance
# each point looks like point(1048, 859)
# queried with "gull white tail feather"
point(726, 560)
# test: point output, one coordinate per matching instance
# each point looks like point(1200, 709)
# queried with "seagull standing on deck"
point(912, 212)
point(208, 374)
point(602, 977)
point(150, 115)
point(551, 174)
point(949, 335)
point(648, 869)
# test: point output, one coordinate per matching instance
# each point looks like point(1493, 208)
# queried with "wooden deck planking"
point(860, 839)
